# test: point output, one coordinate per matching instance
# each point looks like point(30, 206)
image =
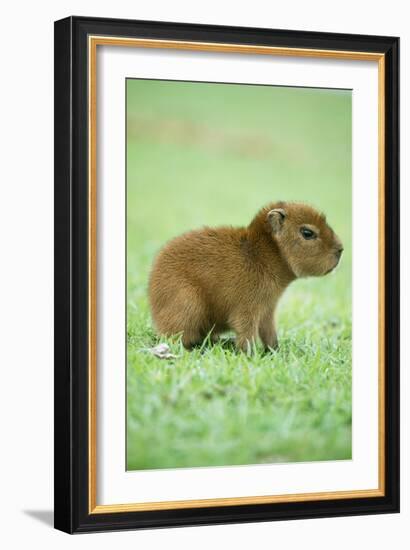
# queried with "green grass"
point(214, 154)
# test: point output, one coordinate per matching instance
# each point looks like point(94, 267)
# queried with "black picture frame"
point(72, 277)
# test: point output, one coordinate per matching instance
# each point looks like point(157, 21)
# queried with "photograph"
point(205, 275)
point(238, 274)
point(227, 315)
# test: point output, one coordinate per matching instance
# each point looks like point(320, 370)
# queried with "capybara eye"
point(307, 234)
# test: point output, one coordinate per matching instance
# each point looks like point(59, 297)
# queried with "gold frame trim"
point(93, 42)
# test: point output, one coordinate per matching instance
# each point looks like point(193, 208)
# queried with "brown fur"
point(213, 280)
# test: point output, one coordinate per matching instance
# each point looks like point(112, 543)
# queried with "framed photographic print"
point(226, 274)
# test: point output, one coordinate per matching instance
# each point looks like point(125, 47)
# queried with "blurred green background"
point(213, 154)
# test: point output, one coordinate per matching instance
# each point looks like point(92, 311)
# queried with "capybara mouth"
point(332, 268)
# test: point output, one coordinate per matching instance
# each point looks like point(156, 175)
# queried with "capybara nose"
point(339, 252)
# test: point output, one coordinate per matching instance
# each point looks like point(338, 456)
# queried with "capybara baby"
point(211, 280)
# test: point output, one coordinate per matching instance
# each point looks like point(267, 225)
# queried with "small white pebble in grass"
point(162, 351)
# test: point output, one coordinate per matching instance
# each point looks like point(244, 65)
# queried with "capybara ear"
point(276, 218)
